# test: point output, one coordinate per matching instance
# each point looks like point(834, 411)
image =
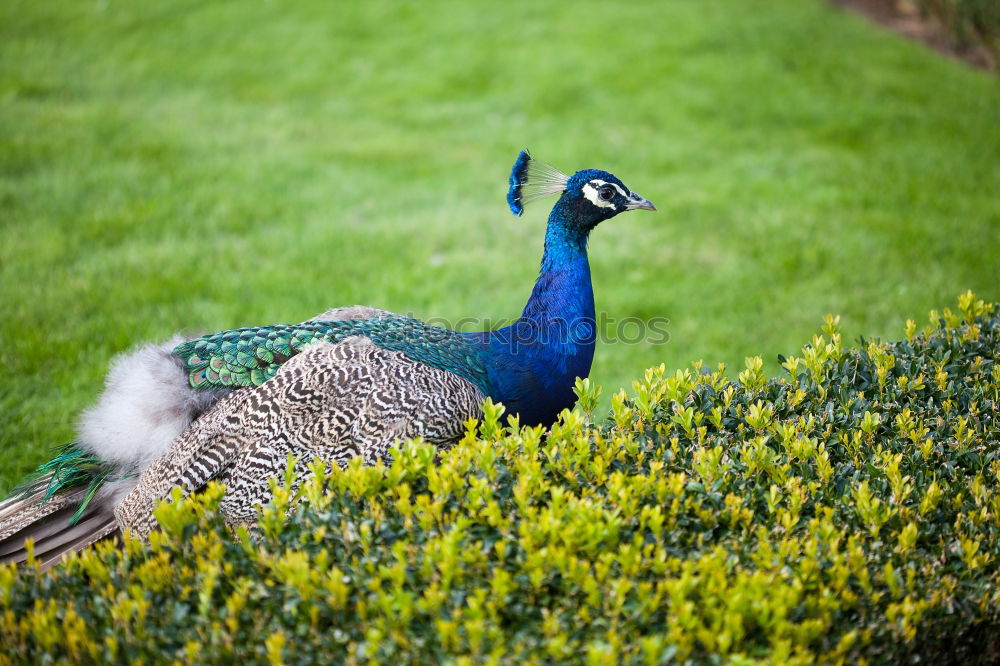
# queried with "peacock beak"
point(637, 202)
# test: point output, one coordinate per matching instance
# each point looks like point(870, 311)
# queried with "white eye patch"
point(590, 191)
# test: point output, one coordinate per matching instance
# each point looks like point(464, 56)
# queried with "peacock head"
point(587, 197)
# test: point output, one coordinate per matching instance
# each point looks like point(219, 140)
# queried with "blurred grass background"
point(199, 166)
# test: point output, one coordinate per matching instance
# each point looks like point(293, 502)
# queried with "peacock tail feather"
point(72, 467)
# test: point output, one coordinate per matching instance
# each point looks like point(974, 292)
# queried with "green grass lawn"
point(200, 166)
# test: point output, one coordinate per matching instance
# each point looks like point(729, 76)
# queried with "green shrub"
point(849, 511)
point(970, 23)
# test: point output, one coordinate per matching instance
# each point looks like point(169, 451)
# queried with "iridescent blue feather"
point(518, 178)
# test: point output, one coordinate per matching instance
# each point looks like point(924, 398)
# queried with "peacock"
point(347, 383)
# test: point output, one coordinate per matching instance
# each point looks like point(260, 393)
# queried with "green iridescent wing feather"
point(250, 356)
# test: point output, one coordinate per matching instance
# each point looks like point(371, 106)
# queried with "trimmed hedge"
point(848, 511)
point(970, 23)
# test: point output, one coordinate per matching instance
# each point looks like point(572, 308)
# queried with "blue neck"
point(533, 363)
point(563, 288)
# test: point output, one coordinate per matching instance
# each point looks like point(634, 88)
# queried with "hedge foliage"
point(970, 23)
point(847, 512)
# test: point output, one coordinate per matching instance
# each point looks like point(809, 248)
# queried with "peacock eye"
point(607, 194)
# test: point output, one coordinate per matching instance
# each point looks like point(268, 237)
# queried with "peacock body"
point(348, 383)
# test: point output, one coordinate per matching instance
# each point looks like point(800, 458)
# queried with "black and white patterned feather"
point(331, 403)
